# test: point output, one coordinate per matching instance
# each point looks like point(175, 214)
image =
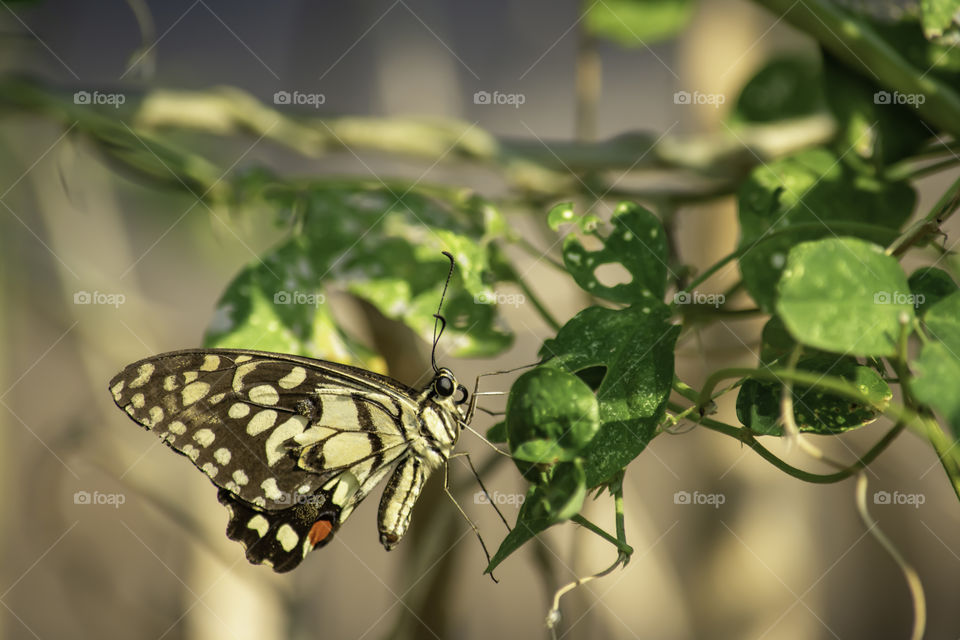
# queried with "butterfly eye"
point(444, 386)
point(463, 394)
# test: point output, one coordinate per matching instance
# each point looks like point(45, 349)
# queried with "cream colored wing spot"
point(270, 489)
point(138, 400)
point(177, 428)
point(238, 410)
point(346, 487)
point(143, 375)
point(222, 456)
point(210, 469)
point(170, 383)
point(189, 376)
point(260, 501)
point(217, 399)
point(264, 394)
point(194, 391)
point(296, 376)
point(116, 389)
point(262, 421)
point(210, 363)
point(191, 452)
point(204, 437)
point(242, 371)
point(259, 524)
point(339, 412)
point(346, 448)
point(289, 429)
point(287, 537)
point(156, 416)
point(313, 434)
point(240, 359)
point(240, 477)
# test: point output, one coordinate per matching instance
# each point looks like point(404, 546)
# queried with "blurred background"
point(778, 559)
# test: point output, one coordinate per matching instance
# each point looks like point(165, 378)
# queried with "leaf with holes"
point(637, 242)
point(634, 349)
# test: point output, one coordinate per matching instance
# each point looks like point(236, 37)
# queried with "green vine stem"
point(713, 163)
point(747, 437)
point(930, 223)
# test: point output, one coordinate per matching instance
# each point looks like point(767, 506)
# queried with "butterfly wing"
point(293, 443)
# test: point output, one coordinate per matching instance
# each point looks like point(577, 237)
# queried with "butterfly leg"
point(476, 529)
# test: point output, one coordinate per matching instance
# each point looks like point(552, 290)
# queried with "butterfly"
point(294, 443)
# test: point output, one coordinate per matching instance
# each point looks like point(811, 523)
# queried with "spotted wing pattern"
point(293, 443)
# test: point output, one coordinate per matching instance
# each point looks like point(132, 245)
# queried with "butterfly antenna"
point(440, 323)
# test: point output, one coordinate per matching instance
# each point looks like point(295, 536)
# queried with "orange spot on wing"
point(320, 531)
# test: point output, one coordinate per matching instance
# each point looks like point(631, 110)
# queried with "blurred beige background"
point(780, 559)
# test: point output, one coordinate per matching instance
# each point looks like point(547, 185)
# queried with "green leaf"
point(811, 194)
point(938, 367)
point(559, 499)
point(786, 87)
point(380, 248)
point(637, 23)
point(929, 285)
point(873, 123)
point(551, 416)
point(815, 410)
point(844, 295)
point(635, 346)
point(498, 432)
point(637, 242)
point(940, 20)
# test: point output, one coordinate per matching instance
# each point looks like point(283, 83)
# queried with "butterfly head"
point(447, 392)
